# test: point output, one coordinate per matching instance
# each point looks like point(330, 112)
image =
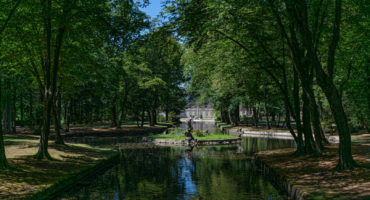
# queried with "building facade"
point(198, 112)
point(206, 112)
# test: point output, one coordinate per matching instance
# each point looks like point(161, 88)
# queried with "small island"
point(177, 136)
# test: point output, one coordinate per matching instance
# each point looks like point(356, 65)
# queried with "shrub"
point(198, 133)
point(217, 132)
point(176, 131)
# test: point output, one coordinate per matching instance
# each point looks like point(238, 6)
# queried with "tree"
point(3, 26)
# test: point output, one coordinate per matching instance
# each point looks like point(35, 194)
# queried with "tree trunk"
point(31, 118)
point(151, 115)
point(316, 124)
point(166, 115)
point(114, 113)
point(255, 117)
point(14, 110)
point(80, 111)
point(345, 151)
point(3, 161)
point(310, 145)
point(142, 118)
point(154, 116)
point(68, 107)
point(44, 139)
point(367, 122)
point(47, 97)
point(56, 119)
point(21, 106)
point(325, 81)
point(137, 119)
point(267, 117)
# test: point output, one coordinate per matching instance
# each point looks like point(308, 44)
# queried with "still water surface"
point(212, 172)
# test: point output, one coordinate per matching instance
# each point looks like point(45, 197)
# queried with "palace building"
point(198, 112)
point(206, 111)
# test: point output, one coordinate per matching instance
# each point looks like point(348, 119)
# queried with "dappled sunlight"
point(316, 175)
point(28, 175)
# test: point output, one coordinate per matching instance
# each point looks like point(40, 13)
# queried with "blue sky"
point(153, 9)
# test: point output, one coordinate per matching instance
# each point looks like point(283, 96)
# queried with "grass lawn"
point(28, 176)
point(182, 137)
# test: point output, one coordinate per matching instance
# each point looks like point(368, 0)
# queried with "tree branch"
point(12, 11)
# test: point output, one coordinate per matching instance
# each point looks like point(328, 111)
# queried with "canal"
point(210, 172)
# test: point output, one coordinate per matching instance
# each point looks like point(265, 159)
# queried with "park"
point(184, 99)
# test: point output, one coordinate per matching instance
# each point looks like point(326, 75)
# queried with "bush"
point(198, 133)
point(174, 118)
point(217, 132)
point(161, 118)
point(176, 131)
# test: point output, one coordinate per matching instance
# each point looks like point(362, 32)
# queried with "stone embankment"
point(279, 182)
point(267, 134)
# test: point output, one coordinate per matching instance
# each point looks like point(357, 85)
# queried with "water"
point(213, 172)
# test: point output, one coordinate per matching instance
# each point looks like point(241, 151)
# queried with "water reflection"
point(212, 172)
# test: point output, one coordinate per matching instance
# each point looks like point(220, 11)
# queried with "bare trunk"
point(56, 119)
point(14, 110)
point(21, 106)
point(310, 145)
point(142, 118)
point(166, 115)
point(255, 116)
point(47, 96)
point(44, 138)
point(3, 161)
point(152, 117)
point(68, 107)
point(268, 126)
point(31, 118)
point(114, 116)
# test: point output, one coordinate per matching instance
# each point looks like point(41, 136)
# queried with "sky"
point(153, 9)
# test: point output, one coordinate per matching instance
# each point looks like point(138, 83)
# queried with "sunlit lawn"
point(28, 175)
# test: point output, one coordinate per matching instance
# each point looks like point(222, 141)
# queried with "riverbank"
point(28, 176)
point(314, 177)
point(101, 131)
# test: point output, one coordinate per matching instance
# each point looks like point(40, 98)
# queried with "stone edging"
point(64, 184)
point(280, 182)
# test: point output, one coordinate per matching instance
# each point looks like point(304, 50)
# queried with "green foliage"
point(198, 133)
point(176, 131)
point(217, 131)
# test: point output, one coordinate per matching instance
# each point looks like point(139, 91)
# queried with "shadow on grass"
point(28, 175)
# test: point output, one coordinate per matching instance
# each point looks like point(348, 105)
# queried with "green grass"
point(360, 140)
point(167, 136)
point(182, 137)
point(7, 138)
